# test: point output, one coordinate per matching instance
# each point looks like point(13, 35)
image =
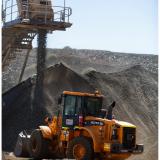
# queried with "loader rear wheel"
point(38, 145)
point(80, 148)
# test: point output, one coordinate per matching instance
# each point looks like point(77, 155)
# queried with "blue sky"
point(115, 25)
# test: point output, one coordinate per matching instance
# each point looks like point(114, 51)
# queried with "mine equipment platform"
point(22, 19)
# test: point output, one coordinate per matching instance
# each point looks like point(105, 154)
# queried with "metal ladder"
point(16, 46)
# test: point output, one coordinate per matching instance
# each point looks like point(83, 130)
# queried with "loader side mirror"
point(110, 109)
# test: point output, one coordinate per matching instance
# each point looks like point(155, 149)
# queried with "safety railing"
point(9, 11)
point(42, 11)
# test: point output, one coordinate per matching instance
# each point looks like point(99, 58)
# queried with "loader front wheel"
point(38, 145)
point(80, 148)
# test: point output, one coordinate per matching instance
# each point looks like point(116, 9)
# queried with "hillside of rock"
point(80, 60)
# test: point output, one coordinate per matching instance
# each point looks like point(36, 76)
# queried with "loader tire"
point(80, 148)
point(38, 146)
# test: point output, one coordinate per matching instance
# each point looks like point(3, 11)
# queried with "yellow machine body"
point(99, 131)
point(100, 135)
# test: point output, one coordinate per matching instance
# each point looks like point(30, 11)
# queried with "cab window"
point(93, 106)
point(70, 102)
point(78, 105)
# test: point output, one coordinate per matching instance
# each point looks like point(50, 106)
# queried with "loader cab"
point(76, 104)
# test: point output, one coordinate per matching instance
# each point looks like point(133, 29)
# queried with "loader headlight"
point(107, 147)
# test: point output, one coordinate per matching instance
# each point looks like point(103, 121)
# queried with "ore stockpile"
point(129, 79)
point(18, 103)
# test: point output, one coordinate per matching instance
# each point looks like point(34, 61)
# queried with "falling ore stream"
point(39, 89)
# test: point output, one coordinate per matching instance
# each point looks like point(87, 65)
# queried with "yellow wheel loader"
point(83, 131)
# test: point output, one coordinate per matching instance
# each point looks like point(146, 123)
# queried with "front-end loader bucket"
point(21, 147)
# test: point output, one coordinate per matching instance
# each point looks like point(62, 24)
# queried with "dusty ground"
point(10, 156)
point(129, 79)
